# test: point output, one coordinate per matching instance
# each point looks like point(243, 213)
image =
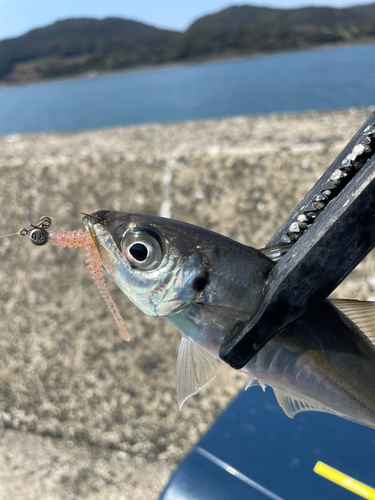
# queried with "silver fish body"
point(204, 283)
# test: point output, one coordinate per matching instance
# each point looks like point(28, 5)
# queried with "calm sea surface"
point(316, 79)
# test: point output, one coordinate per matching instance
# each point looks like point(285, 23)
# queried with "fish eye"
point(142, 249)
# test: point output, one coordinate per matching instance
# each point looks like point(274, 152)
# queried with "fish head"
point(151, 259)
point(164, 266)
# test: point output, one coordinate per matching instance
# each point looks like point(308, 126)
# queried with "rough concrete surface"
point(84, 414)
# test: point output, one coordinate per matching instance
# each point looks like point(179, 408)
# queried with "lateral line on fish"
point(321, 364)
point(74, 239)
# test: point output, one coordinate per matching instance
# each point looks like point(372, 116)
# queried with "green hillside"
point(79, 46)
point(247, 16)
point(76, 46)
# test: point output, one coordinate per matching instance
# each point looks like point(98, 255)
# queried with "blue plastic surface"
point(255, 437)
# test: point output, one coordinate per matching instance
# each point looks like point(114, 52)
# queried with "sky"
point(19, 16)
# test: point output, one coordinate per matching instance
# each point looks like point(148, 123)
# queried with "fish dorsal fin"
point(252, 381)
point(276, 251)
point(292, 405)
point(195, 368)
point(361, 313)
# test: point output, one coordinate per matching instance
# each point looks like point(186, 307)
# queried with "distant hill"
point(246, 29)
point(248, 16)
point(81, 46)
point(75, 46)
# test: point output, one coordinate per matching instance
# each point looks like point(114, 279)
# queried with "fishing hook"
point(92, 216)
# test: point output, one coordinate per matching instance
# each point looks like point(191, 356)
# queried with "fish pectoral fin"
point(276, 251)
point(292, 405)
point(195, 368)
point(361, 313)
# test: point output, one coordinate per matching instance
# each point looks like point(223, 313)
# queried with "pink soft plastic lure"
point(74, 239)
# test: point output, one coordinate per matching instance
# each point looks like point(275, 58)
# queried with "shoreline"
point(176, 65)
point(16, 136)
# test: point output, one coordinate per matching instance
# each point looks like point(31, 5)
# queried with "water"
point(316, 79)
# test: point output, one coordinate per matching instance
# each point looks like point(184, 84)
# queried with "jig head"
point(38, 234)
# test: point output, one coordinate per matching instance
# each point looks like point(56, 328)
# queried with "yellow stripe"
point(345, 481)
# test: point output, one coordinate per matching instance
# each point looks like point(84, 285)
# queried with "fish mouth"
point(98, 224)
point(90, 221)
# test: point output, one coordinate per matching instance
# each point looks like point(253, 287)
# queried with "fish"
point(206, 284)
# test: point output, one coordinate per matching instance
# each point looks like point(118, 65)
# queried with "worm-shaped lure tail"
point(74, 239)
